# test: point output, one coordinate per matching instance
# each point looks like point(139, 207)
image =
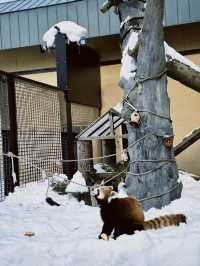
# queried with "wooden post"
point(13, 128)
point(62, 65)
point(108, 148)
point(84, 151)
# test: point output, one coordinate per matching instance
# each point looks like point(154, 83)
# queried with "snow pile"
point(118, 107)
point(99, 168)
point(122, 190)
point(68, 235)
point(59, 178)
point(73, 31)
point(77, 184)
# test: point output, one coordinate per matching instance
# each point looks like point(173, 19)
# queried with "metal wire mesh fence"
point(2, 185)
point(39, 134)
point(38, 128)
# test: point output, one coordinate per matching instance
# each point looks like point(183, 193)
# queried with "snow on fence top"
point(73, 31)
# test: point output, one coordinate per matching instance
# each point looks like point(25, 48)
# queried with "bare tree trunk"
point(153, 174)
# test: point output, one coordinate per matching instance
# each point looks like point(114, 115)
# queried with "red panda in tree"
point(125, 215)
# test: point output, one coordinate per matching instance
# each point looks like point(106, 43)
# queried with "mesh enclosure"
point(2, 184)
point(83, 115)
point(33, 126)
point(38, 129)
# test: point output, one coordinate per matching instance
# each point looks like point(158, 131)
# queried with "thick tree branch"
point(178, 66)
point(184, 74)
point(187, 141)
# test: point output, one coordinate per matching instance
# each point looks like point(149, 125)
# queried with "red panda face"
point(103, 193)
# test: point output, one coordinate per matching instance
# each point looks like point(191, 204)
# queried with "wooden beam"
point(111, 123)
point(187, 141)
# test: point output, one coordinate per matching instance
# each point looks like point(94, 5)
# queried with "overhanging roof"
point(104, 127)
point(20, 5)
point(24, 22)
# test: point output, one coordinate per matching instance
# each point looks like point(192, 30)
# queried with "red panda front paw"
point(103, 236)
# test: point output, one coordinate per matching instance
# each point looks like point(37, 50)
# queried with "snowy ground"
point(67, 235)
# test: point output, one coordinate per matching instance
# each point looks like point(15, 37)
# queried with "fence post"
point(13, 144)
point(84, 151)
point(2, 176)
point(62, 65)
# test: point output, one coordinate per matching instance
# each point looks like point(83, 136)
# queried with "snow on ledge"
point(118, 107)
point(75, 188)
point(99, 168)
point(73, 31)
point(172, 54)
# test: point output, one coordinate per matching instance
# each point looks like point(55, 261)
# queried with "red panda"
point(125, 215)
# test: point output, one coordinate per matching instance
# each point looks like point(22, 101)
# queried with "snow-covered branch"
point(182, 69)
point(178, 66)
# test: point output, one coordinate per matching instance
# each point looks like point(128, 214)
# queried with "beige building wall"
point(24, 59)
point(48, 78)
point(185, 110)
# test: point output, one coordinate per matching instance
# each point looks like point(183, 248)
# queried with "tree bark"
point(184, 74)
point(153, 174)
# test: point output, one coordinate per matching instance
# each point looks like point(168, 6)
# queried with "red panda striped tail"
point(163, 221)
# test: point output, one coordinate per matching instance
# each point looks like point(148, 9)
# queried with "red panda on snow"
point(125, 215)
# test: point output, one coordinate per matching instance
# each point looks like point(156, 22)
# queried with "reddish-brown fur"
point(125, 215)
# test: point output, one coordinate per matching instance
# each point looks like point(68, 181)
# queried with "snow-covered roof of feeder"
point(104, 127)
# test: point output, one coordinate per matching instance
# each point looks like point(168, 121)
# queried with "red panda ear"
point(111, 188)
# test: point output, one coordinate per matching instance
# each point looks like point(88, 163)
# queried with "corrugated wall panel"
point(171, 12)
point(42, 22)
point(5, 31)
point(183, 11)
point(0, 35)
point(52, 16)
point(93, 27)
point(114, 23)
point(33, 27)
point(24, 28)
point(82, 14)
point(62, 13)
point(72, 12)
point(104, 21)
point(194, 10)
point(14, 27)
